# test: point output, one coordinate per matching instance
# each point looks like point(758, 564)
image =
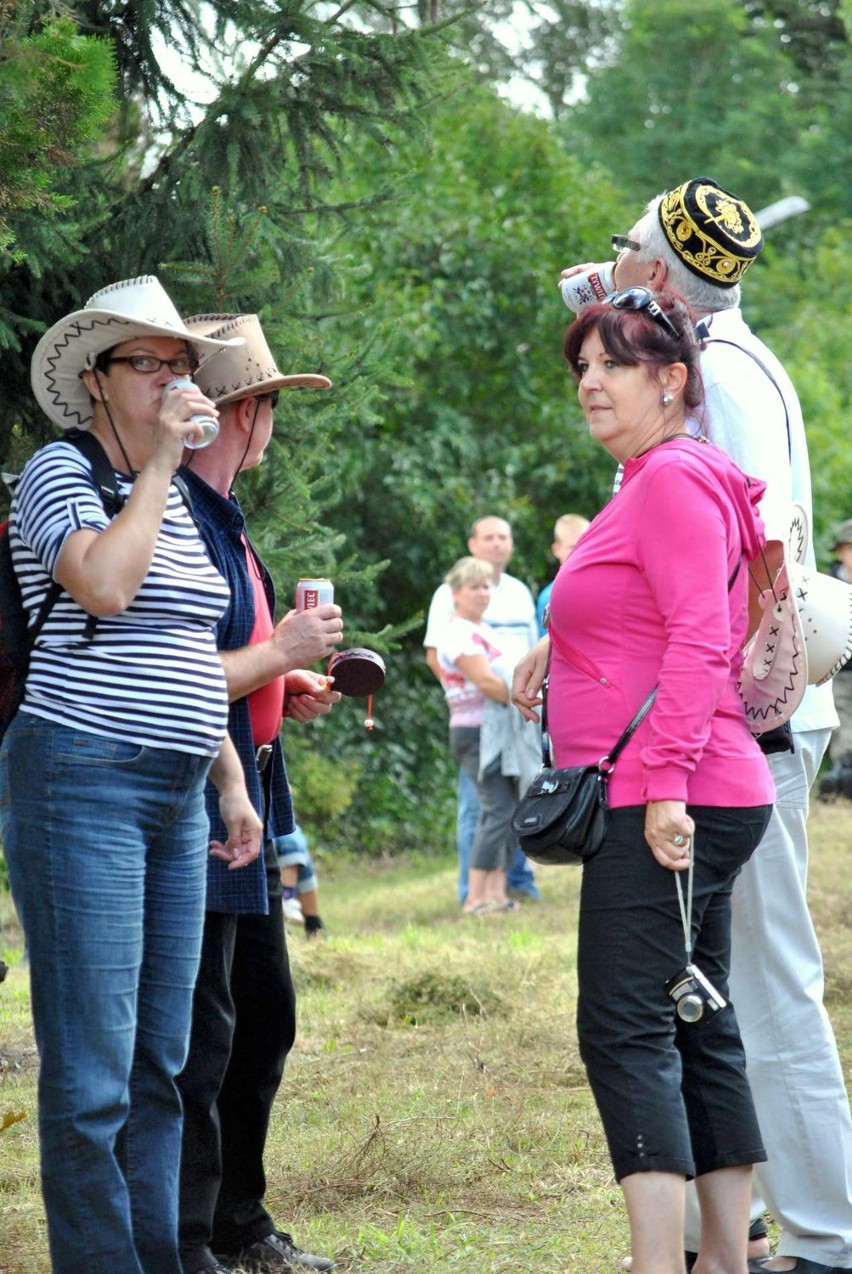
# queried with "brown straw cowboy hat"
point(247, 370)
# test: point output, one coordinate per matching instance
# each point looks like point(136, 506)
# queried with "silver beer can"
point(313, 592)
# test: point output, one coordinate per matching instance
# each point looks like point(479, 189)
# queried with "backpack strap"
point(702, 331)
point(102, 470)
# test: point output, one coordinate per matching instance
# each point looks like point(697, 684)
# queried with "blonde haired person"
point(468, 661)
point(566, 532)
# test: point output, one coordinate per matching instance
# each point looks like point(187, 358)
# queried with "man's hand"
point(245, 830)
point(304, 636)
point(308, 695)
point(301, 637)
point(575, 269)
point(527, 680)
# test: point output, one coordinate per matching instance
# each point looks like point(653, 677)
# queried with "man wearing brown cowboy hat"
point(699, 239)
point(244, 1007)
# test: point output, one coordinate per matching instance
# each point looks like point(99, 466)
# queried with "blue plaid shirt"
point(222, 525)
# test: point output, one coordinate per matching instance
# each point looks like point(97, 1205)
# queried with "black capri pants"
point(672, 1096)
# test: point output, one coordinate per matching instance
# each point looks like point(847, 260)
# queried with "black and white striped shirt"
point(151, 674)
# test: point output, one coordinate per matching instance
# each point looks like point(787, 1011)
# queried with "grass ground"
point(434, 1115)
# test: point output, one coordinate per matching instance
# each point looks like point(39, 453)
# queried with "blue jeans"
point(520, 875)
point(106, 844)
point(292, 851)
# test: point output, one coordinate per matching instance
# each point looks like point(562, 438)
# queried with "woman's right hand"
point(528, 678)
point(172, 427)
point(669, 831)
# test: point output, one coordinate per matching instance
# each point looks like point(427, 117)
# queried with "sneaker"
point(276, 1253)
point(292, 909)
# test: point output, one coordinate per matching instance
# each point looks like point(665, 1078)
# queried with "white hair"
point(702, 294)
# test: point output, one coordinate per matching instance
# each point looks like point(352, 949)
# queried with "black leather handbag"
point(561, 818)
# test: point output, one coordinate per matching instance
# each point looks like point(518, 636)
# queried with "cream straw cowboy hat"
point(133, 307)
point(247, 371)
point(804, 637)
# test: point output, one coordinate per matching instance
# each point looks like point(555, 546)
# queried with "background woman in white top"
point(466, 658)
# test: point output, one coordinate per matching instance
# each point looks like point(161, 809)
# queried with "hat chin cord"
point(105, 405)
point(248, 443)
point(193, 454)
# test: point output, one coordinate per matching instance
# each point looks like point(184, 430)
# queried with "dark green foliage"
point(398, 780)
point(358, 182)
point(479, 414)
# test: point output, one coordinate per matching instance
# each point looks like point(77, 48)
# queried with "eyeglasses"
point(620, 242)
point(183, 365)
point(642, 299)
point(271, 398)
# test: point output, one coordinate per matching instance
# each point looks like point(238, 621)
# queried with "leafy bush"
point(384, 791)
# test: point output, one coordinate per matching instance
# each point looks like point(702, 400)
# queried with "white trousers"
point(793, 1064)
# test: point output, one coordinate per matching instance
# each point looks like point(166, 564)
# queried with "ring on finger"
point(679, 840)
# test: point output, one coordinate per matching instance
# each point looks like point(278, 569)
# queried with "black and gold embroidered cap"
point(713, 232)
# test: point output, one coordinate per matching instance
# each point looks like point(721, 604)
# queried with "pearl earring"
point(666, 399)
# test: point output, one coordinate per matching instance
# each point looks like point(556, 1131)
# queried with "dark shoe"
point(200, 1260)
point(802, 1266)
point(276, 1253)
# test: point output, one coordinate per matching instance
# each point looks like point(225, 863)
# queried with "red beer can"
point(313, 592)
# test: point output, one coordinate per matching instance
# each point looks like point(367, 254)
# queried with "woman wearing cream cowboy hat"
point(102, 775)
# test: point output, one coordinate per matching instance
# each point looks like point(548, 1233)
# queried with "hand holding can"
point(208, 425)
point(580, 290)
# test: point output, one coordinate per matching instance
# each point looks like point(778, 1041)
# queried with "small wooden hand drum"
point(357, 672)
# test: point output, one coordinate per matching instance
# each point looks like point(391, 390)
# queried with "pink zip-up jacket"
point(644, 600)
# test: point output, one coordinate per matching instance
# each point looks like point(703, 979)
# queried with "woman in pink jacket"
point(655, 595)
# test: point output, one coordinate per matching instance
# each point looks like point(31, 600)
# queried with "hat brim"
point(775, 661)
point(298, 380)
point(804, 637)
point(72, 344)
point(824, 605)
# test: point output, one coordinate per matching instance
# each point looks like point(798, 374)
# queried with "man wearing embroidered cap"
point(699, 240)
point(244, 1018)
point(103, 771)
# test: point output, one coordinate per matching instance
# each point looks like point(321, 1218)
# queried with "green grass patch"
point(434, 1114)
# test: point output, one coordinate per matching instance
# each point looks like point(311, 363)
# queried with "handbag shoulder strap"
point(703, 332)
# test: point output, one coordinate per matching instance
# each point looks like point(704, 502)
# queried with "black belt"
point(262, 757)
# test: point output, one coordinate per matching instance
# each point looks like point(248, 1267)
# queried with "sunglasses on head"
point(642, 299)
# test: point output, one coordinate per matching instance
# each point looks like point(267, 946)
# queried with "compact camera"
point(696, 999)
